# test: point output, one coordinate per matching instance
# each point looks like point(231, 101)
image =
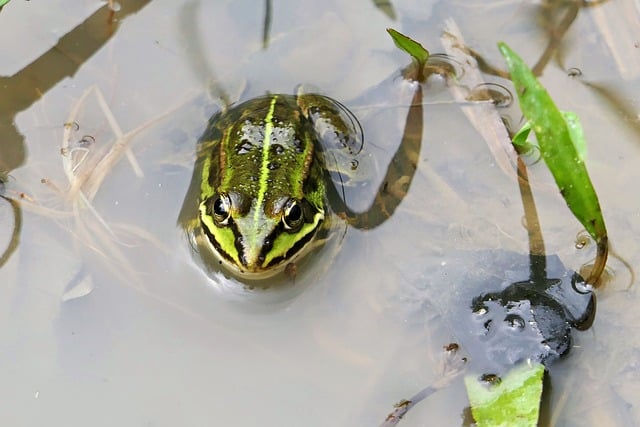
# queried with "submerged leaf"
point(513, 401)
point(558, 150)
point(410, 46)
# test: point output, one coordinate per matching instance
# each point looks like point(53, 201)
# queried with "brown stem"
point(600, 262)
point(536, 242)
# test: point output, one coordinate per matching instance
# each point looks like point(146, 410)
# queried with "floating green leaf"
point(3, 2)
point(575, 131)
point(410, 46)
point(556, 146)
point(512, 402)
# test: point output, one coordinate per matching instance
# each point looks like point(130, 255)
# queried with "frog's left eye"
point(221, 209)
point(292, 217)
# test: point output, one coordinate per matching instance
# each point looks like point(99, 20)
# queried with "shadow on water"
point(522, 308)
point(19, 91)
point(556, 18)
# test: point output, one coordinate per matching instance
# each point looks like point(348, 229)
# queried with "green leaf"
point(575, 131)
point(410, 46)
point(556, 146)
point(520, 138)
point(3, 2)
point(513, 402)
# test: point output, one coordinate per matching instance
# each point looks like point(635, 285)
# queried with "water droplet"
point(480, 311)
point(574, 72)
point(490, 379)
point(244, 147)
point(582, 239)
point(499, 95)
point(514, 321)
point(580, 285)
point(273, 166)
point(74, 126)
point(442, 65)
point(86, 141)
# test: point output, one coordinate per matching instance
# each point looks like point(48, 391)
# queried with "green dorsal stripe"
point(264, 169)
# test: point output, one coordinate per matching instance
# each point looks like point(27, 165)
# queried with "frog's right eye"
point(221, 209)
point(292, 216)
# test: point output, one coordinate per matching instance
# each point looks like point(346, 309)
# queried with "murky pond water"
point(108, 320)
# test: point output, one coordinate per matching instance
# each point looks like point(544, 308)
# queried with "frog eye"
point(221, 209)
point(292, 217)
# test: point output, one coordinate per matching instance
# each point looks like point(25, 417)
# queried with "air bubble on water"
point(514, 321)
point(244, 147)
point(582, 239)
point(74, 126)
point(579, 285)
point(574, 72)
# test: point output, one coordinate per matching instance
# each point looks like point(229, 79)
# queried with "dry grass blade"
point(86, 165)
point(483, 115)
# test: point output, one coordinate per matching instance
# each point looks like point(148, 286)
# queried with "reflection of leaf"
point(556, 146)
point(514, 401)
point(386, 7)
point(266, 26)
point(400, 171)
point(410, 46)
point(16, 228)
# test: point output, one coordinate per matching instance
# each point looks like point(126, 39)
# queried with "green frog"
point(267, 185)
